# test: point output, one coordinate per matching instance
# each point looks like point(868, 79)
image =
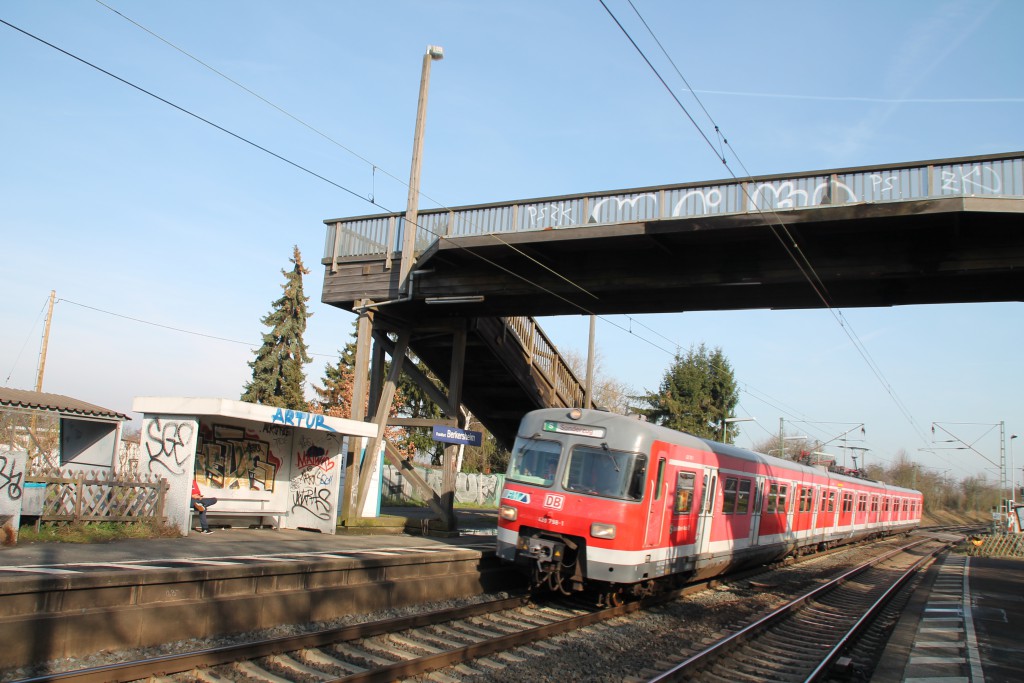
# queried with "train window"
point(743, 497)
point(824, 501)
point(806, 499)
point(776, 498)
point(831, 501)
point(885, 504)
point(534, 461)
point(847, 502)
point(660, 479)
point(862, 503)
point(874, 503)
point(729, 495)
point(600, 471)
point(684, 493)
point(904, 505)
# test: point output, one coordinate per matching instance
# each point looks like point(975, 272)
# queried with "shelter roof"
point(54, 403)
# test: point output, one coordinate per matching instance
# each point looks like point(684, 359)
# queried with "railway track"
point(394, 649)
point(803, 639)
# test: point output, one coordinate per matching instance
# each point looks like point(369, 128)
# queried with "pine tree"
point(697, 393)
point(277, 372)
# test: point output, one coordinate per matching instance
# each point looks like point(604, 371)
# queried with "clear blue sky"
point(121, 203)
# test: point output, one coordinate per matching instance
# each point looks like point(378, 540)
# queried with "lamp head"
point(436, 52)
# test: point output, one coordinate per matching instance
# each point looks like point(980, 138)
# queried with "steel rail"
point(720, 647)
point(166, 664)
point(227, 654)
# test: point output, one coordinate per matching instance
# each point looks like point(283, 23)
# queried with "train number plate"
point(553, 501)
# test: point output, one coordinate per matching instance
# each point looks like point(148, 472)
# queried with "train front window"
point(601, 471)
point(534, 461)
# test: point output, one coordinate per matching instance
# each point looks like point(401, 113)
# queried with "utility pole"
point(46, 342)
point(434, 52)
point(588, 395)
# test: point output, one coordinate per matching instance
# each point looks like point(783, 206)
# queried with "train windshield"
point(534, 461)
point(601, 471)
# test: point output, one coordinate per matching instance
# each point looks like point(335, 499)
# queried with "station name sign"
point(459, 436)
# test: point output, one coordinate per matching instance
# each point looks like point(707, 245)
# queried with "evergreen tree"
point(335, 396)
point(697, 392)
point(277, 371)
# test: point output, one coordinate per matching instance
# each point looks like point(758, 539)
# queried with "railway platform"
point(963, 623)
point(69, 600)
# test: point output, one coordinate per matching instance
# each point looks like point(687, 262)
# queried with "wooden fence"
point(93, 497)
point(996, 545)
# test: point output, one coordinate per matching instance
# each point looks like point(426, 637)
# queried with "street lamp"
point(1012, 484)
point(433, 53)
point(725, 425)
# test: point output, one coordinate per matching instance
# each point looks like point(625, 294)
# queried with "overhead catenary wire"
point(374, 168)
point(777, 227)
point(340, 186)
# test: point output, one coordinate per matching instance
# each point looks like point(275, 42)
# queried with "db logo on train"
point(554, 502)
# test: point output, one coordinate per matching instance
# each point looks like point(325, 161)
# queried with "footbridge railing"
point(380, 235)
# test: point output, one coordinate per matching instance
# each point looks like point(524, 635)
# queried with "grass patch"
point(95, 532)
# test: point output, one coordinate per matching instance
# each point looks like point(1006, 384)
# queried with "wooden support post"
point(387, 397)
point(364, 335)
point(418, 482)
point(451, 452)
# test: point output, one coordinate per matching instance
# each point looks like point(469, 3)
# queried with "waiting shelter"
point(266, 466)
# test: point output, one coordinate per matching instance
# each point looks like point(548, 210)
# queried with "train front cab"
point(573, 506)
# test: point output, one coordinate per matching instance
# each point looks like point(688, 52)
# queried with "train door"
point(685, 508)
point(656, 506)
point(755, 519)
point(794, 502)
point(707, 510)
point(816, 497)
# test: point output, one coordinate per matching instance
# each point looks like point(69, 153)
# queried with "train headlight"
point(508, 513)
point(598, 530)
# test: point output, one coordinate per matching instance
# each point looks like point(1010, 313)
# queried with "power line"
point(580, 307)
point(178, 329)
point(782, 234)
point(25, 343)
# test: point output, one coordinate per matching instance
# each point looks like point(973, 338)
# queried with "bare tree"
point(609, 392)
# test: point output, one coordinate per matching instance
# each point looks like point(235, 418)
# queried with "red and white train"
point(609, 502)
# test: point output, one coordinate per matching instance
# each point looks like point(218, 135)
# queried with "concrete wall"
point(12, 483)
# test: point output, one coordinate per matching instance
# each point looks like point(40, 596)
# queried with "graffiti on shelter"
point(236, 458)
point(10, 482)
point(168, 444)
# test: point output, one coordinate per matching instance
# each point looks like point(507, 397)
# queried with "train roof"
point(648, 431)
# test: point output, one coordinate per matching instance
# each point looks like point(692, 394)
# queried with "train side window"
point(806, 499)
point(824, 501)
point(874, 503)
point(847, 502)
point(831, 501)
point(685, 482)
point(862, 503)
point(776, 498)
point(743, 497)
point(660, 478)
point(885, 504)
point(729, 495)
point(709, 494)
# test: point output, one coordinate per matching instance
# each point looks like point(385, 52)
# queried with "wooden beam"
point(383, 408)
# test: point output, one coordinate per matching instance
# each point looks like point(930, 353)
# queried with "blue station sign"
point(459, 436)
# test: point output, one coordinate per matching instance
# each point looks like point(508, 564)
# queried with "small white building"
point(264, 465)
